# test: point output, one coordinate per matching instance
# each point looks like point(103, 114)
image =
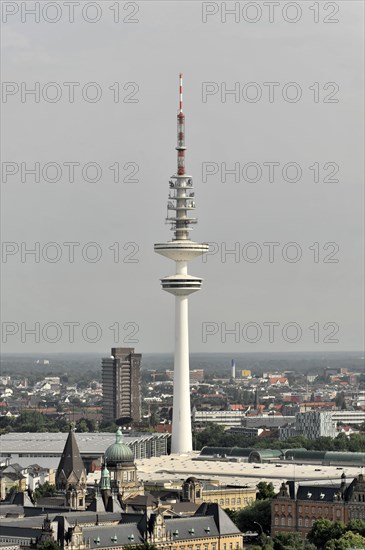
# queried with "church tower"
point(71, 474)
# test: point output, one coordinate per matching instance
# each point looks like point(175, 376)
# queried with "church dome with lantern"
point(118, 452)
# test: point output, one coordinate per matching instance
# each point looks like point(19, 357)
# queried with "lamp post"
point(259, 524)
point(264, 538)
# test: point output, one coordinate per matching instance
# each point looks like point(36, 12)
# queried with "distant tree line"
point(214, 435)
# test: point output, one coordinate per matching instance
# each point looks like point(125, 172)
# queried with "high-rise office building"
point(121, 385)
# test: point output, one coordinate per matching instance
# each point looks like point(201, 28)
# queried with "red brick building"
point(298, 505)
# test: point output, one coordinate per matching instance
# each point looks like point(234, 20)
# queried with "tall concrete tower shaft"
point(181, 250)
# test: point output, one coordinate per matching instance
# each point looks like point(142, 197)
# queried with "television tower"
point(181, 249)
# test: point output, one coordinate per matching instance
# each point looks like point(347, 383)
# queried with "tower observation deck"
point(181, 249)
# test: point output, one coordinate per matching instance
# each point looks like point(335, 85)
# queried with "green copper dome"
point(118, 452)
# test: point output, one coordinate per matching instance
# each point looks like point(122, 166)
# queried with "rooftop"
point(52, 444)
point(168, 468)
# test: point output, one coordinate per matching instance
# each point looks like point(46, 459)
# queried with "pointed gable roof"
point(71, 467)
point(223, 522)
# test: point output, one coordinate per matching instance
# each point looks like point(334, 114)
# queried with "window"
point(237, 545)
point(227, 501)
point(230, 546)
point(233, 501)
point(238, 501)
point(224, 547)
point(221, 501)
point(283, 521)
point(276, 508)
point(320, 511)
point(313, 510)
point(289, 522)
point(216, 501)
point(198, 547)
point(205, 547)
point(276, 520)
point(283, 508)
point(326, 511)
point(300, 509)
point(313, 521)
point(289, 508)
point(300, 522)
point(306, 509)
point(214, 546)
point(306, 522)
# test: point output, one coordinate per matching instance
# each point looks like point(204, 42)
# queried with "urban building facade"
point(310, 424)
point(297, 506)
point(226, 496)
point(121, 385)
point(208, 529)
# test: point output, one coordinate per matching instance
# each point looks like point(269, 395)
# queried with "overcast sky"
point(315, 124)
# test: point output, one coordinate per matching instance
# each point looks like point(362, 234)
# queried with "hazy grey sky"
point(321, 132)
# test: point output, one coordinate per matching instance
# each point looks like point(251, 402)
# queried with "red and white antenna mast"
point(181, 134)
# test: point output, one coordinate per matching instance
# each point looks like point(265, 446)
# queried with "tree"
point(48, 545)
point(324, 530)
point(348, 540)
point(265, 490)
point(45, 490)
point(81, 425)
point(259, 512)
point(214, 432)
point(153, 420)
point(356, 526)
point(288, 541)
point(340, 400)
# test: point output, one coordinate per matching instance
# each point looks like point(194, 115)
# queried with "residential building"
point(121, 385)
point(310, 424)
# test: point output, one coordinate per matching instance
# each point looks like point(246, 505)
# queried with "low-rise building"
point(298, 505)
point(208, 529)
point(234, 497)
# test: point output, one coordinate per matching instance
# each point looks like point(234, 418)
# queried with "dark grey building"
point(121, 385)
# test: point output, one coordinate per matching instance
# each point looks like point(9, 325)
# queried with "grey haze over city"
point(294, 278)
